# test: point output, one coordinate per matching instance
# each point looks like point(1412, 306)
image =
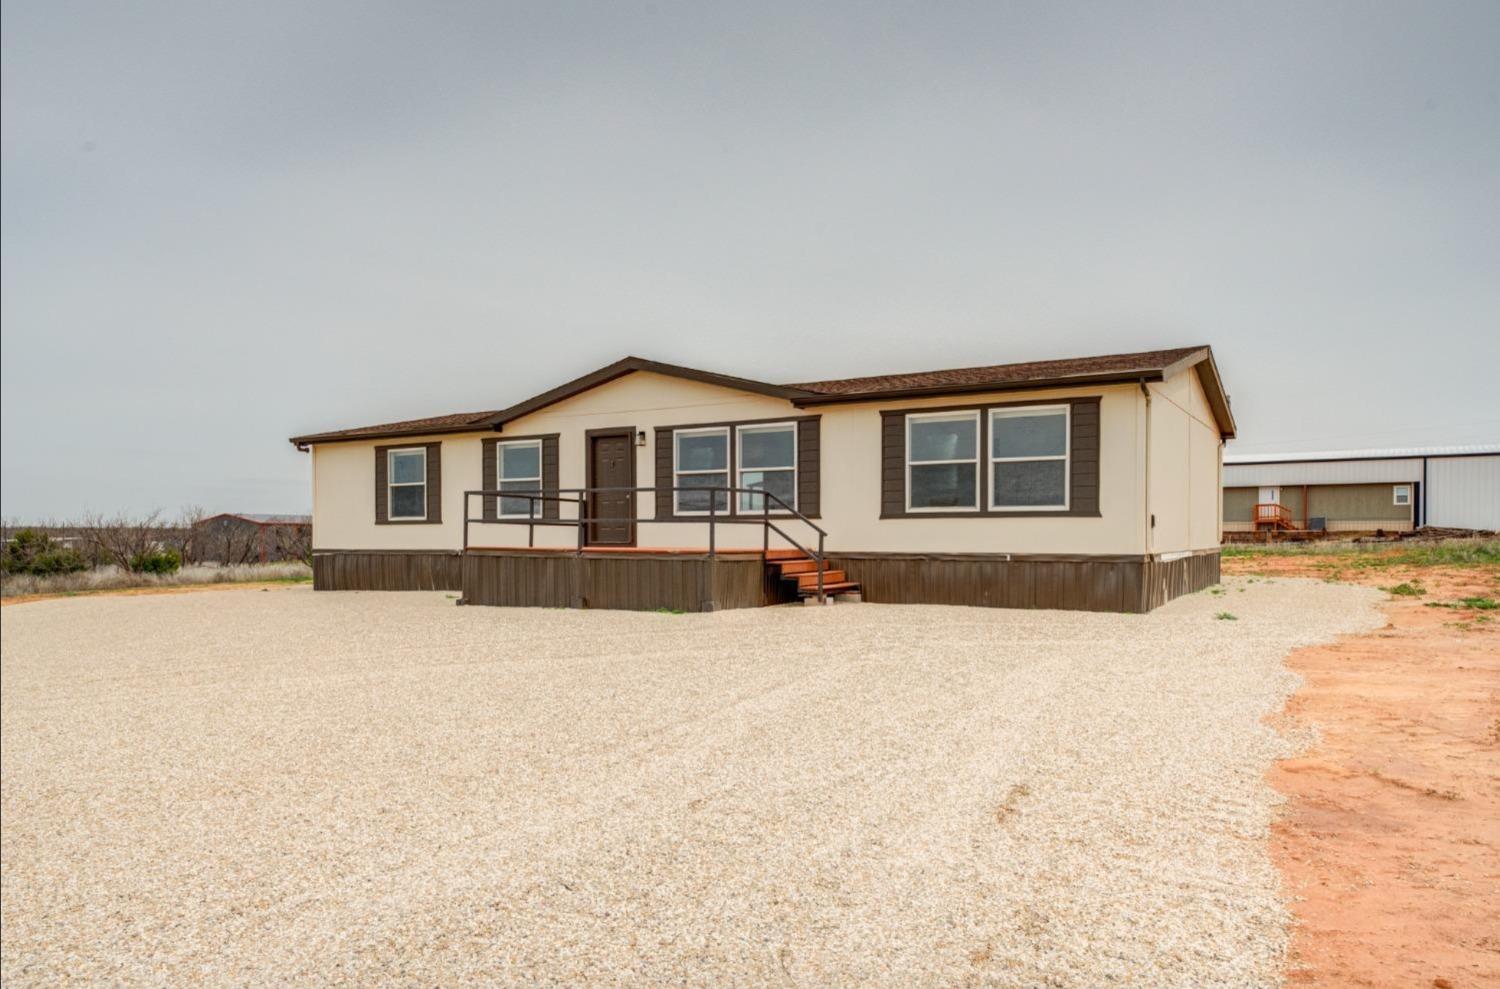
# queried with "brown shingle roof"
point(453, 423)
point(1010, 375)
point(1149, 364)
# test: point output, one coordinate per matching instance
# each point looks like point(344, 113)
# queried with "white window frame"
point(725, 470)
point(1397, 491)
point(391, 484)
point(740, 468)
point(1021, 412)
point(976, 460)
point(500, 478)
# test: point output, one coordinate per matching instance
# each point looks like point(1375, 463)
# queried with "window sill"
point(1057, 513)
point(408, 521)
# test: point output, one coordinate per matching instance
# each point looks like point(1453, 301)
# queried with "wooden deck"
point(688, 551)
point(679, 578)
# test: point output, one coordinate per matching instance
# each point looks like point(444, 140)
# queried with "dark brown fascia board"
point(1202, 359)
point(797, 396)
point(337, 436)
point(1213, 389)
point(497, 420)
point(1031, 384)
point(626, 366)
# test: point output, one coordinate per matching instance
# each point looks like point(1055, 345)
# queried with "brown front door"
point(611, 465)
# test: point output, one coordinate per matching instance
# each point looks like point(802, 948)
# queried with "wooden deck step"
point(806, 580)
point(790, 567)
point(843, 587)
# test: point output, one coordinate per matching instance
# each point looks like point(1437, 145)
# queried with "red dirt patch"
point(1391, 835)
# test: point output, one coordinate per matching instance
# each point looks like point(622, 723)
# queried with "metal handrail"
point(712, 517)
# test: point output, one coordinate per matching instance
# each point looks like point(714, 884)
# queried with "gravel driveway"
point(288, 788)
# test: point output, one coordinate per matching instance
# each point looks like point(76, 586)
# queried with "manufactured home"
point(1349, 491)
point(1088, 483)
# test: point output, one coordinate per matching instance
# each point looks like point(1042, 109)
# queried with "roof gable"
point(630, 365)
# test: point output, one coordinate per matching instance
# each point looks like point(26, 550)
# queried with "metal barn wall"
point(1401, 470)
point(1464, 492)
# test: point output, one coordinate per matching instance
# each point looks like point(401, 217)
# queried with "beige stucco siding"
point(344, 496)
point(851, 483)
point(850, 475)
point(1185, 456)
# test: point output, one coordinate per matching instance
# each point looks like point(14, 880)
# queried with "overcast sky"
point(225, 223)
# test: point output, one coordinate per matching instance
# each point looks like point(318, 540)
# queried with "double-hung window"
point(519, 466)
point(700, 459)
point(1401, 494)
point(767, 461)
point(942, 461)
point(406, 484)
point(1029, 458)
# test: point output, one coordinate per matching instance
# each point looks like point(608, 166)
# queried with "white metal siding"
point(1463, 492)
point(1395, 471)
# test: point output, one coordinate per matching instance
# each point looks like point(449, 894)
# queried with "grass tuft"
point(1225, 616)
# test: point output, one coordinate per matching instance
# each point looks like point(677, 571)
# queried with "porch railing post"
point(765, 526)
point(713, 504)
point(822, 567)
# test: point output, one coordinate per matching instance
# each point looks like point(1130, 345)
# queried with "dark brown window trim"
point(489, 469)
point(809, 475)
point(1083, 462)
point(433, 493)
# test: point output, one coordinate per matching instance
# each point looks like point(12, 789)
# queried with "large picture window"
point(767, 461)
point(700, 459)
point(519, 465)
point(942, 461)
point(1029, 458)
point(406, 484)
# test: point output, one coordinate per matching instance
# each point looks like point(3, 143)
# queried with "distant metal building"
point(1394, 490)
point(234, 537)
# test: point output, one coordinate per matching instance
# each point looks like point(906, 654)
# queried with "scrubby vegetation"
point(1412, 553)
point(156, 561)
point(1407, 590)
point(100, 553)
point(33, 552)
point(110, 578)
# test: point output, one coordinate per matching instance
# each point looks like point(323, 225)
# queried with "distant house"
point(1086, 483)
point(233, 537)
point(1395, 490)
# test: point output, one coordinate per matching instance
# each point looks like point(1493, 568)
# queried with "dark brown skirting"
point(645, 581)
point(636, 582)
point(1118, 584)
point(387, 570)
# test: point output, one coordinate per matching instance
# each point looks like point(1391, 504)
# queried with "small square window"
point(1401, 494)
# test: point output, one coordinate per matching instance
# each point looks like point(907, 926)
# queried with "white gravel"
point(247, 788)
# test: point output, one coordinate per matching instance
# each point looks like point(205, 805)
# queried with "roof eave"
point(303, 442)
point(937, 391)
point(1213, 388)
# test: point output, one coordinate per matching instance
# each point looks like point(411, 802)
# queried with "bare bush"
point(120, 539)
